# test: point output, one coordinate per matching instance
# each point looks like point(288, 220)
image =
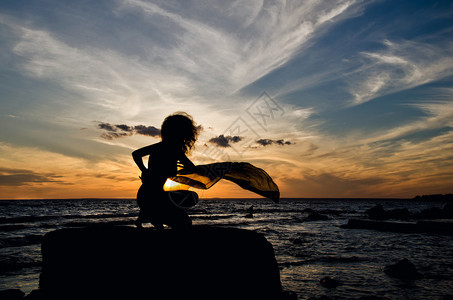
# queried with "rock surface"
point(201, 263)
point(11, 294)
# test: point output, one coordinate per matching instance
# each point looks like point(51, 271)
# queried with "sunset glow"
point(332, 99)
point(174, 186)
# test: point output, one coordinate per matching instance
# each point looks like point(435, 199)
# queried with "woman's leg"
point(175, 215)
point(148, 200)
point(178, 219)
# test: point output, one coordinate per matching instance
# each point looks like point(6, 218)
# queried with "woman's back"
point(163, 160)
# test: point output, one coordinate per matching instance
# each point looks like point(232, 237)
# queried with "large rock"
point(123, 262)
point(11, 294)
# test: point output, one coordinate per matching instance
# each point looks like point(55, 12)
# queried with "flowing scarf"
point(243, 174)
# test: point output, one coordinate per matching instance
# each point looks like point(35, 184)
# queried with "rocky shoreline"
point(430, 220)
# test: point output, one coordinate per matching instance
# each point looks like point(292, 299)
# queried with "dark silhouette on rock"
point(329, 283)
point(157, 206)
point(104, 262)
point(404, 269)
point(168, 161)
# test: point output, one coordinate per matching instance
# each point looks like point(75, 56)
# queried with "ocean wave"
point(212, 217)
point(20, 241)
point(102, 216)
point(13, 264)
point(322, 259)
point(8, 228)
point(26, 219)
point(88, 223)
point(34, 219)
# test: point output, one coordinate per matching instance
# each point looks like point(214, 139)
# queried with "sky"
point(333, 99)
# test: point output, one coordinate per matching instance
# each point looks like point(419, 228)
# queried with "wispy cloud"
point(18, 177)
point(105, 78)
point(245, 44)
point(439, 115)
point(401, 65)
point(186, 53)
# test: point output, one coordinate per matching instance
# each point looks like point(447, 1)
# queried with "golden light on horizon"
point(171, 185)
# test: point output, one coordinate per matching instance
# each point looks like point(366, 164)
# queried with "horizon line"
point(219, 198)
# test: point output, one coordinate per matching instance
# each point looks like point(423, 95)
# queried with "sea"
point(306, 250)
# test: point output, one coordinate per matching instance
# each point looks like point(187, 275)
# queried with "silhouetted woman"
point(179, 133)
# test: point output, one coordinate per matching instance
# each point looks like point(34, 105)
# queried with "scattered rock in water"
point(308, 210)
point(297, 241)
point(250, 212)
point(404, 227)
point(430, 213)
point(436, 197)
point(448, 210)
point(399, 214)
point(377, 212)
point(331, 212)
point(329, 283)
point(404, 269)
point(436, 213)
point(315, 216)
point(11, 294)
